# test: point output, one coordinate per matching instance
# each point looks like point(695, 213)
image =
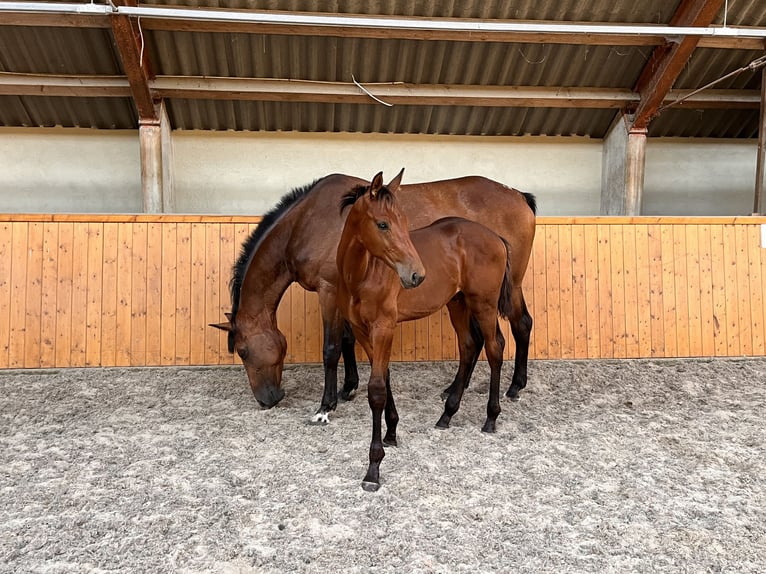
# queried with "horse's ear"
point(222, 326)
point(396, 182)
point(376, 184)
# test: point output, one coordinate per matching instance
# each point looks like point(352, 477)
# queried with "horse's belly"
point(424, 300)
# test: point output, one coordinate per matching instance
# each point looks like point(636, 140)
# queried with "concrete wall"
point(77, 170)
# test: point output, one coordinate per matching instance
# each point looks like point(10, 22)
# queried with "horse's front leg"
point(351, 379)
point(332, 323)
point(379, 350)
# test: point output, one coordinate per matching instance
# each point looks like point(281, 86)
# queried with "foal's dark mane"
point(384, 194)
point(248, 246)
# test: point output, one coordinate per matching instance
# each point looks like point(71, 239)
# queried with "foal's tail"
point(504, 303)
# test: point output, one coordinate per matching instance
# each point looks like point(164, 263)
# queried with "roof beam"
point(667, 62)
point(186, 19)
point(255, 89)
point(135, 62)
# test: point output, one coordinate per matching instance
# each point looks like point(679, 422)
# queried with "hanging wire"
point(366, 91)
point(754, 65)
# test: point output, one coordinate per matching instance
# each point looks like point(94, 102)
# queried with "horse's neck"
point(268, 275)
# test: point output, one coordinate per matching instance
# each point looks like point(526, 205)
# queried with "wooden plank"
point(529, 297)
point(578, 294)
point(618, 270)
point(566, 304)
point(79, 295)
point(731, 314)
point(408, 341)
point(63, 340)
point(32, 343)
point(17, 308)
point(169, 288)
point(670, 317)
point(285, 320)
point(95, 283)
point(6, 241)
point(643, 292)
point(109, 294)
point(212, 293)
point(297, 325)
point(449, 338)
point(49, 287)
point(183, 294)
point(605, 302)
point(541, 295)
point(757, 287)
point(138, 296)
point(681, 289)
point(434, 322)
point(718, 286)
point(421, 339)
point(552, 290)
point(154, 294)
point(743, 290)
point(229, 249)
point(124, 322)
point(592, 287)
point(313, 328)
point(694, 290)
point(197, 325)
point(630, 277)
point(656, 290)
point(707, 310)
point(396, 344)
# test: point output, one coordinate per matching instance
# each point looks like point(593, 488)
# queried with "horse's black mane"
point(350, 198)
point(248, 246)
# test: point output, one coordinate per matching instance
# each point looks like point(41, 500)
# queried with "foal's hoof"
point(320, 418)
point(489, 427)
point(443, 422)
point(348, 395)
point(370, 486)
point(513, 393)
point(390, 441)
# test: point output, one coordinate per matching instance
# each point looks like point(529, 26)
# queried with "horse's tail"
point(531, 201)
point(504, 303)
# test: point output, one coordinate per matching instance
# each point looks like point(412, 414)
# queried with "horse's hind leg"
point(521, 327)
point(351, 379)
point(470, 342)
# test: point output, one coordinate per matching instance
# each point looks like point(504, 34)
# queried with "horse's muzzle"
point(268, 396)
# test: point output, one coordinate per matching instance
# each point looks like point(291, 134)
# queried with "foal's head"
point(377, 221)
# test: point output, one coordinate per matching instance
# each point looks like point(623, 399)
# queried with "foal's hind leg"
point(494, 344)
point(521, 327)
point(470, 342)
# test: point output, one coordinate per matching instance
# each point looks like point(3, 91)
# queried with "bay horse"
point(387, 275)
point(296, 241)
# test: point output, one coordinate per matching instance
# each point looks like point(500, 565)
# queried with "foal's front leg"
point(379, 350)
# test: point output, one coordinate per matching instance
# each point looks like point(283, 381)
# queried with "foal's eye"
point(382, 225)
point(242, 352)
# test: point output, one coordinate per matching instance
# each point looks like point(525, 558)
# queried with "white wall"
point(69, 170)
point(80, 170)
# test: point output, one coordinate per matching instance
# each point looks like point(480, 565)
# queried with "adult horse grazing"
point(382, 281)
point(297, 241)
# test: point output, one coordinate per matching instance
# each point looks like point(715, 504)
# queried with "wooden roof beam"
point(135, 62)
point(667, 61)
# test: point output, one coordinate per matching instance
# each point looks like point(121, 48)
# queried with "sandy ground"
point(602, 466)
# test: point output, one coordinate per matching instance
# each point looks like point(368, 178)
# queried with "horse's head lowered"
point(378, 223)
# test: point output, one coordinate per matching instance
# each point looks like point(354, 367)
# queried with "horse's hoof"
point(370, 486)
point(489, 427)
point(443, 422)
point(348, 395)
point(513, 394)
point(320, 418)
point(390, 442)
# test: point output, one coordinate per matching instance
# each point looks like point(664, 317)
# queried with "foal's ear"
point(376, 184)
point(393, 186)
point(222, 326)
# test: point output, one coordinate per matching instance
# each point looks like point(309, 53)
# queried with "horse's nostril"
point(417, 279)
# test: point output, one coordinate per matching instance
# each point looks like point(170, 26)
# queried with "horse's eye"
point(242, 352)
point(382, 225)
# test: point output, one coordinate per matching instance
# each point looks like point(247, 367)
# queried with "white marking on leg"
point(320, 418)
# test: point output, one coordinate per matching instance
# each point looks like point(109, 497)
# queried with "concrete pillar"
point(156, 160)
point(622, 169)
point(760, 165)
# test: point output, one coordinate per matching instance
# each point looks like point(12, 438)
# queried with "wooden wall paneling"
point(566, 304)
point(154, 290)
point(707, 325)
point(553, 290)
point(297, 324)
point(63, 341)
point(656, 290)
point(109, 294)
point(630, 279)
point(183, 293)
point(212, 302)
point(757, 287)
point(197, 325)
point(434, 323)
point(605, 297)
point(528, 285)
point(123, 331)
point(732, 297)
point(578, 294)
point(643, 341)
point(94, 286)
point(618, 266)
point(449, 338)
point(421, 339)
point(79, 318)
point(6, 243)
point(168, 304)
point(138, 277)
point(33, 295)
point(669, 292)
point(284, 321)
point(17, 309)
point(745, 319)
point(540, 350)
point(313, 329)
point(408, 341)
point(679, 261)
point(229, 251)
point(592, 290)
point(693, 288)
point(718, 285)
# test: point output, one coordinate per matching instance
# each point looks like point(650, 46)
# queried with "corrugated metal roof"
point(92, 51)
